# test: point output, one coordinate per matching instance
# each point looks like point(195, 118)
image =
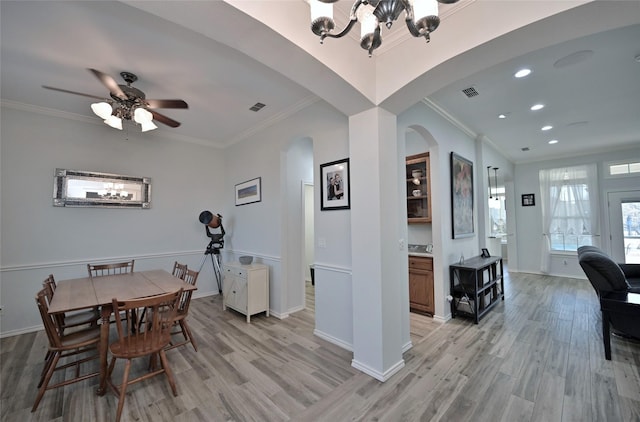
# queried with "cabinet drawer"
point(237, 272)
point(418, 263)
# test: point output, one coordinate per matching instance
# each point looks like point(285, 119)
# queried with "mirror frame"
point(62, 177)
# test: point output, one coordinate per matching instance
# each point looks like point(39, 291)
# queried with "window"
point(498, 213)
point(569, 207)
point(623, 169)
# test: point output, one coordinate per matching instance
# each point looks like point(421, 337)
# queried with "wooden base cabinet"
point(245, 288)
point(421, 285)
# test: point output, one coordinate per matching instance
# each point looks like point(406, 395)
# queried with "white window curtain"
point(569, 203)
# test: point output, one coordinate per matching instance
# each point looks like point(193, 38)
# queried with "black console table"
point(623, 310)
point(477, 285)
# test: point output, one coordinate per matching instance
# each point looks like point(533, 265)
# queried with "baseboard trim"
point(443, 319)
point(21, 331)
point(380, 376)
point(278, 314)
point(333, 340)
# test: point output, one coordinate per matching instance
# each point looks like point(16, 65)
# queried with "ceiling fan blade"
point(166, 104)
point(110, 83)
point(164, 119)
point(73, 92)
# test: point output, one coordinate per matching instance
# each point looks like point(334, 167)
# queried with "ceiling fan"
point(127, 102)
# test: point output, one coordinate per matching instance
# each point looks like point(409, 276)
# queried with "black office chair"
point(605, 275)
point(609, 279)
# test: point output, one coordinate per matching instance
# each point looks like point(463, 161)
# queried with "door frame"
point(614, 220)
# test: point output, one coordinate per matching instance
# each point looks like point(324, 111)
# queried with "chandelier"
point(421, 17)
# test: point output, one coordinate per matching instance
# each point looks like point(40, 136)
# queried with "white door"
point(624, 226)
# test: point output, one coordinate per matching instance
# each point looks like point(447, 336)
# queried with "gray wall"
point(39, 239)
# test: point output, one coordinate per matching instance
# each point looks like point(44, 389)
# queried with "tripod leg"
point(215, 261)
point(204, 258)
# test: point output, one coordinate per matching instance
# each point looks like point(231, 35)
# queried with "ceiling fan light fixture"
point(140, 115)
point(147, 126)
point(102, 109)
point(114, 121)
point(144, 118)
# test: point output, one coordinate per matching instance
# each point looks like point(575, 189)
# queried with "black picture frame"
point(335, 196)
point(249, 192)
point(461, 197)
point(528, 200)
point(485, 253)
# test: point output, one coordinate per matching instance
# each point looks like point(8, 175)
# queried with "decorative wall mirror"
point(78, 188)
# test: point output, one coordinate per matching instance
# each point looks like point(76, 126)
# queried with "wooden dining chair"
point(180, 319)
point(77, 343)
point(69, 319)
point(138, 339)
point(179, 270)
point(98, 270)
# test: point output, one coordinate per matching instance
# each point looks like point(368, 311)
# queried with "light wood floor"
point(536, 357)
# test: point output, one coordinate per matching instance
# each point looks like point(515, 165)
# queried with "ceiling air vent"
point(256, 107)
point(470, 92)
point(525, 149)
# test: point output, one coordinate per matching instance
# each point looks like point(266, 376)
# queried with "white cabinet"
point(245, 288)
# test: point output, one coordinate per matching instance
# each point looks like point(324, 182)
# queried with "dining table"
point(91, 292)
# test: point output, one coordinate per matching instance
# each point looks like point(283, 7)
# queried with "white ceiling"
point(221, 62)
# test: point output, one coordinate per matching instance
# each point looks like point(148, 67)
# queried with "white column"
point(375, 236)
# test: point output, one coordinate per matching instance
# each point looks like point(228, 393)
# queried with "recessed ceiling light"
point(537, 107)
point(522, 73)
point(548, 127)
point(502, 116)
point(553, 141)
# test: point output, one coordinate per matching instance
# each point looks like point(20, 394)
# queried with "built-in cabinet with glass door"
point(418, 188)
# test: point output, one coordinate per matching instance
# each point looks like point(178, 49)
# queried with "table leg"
point(104, 347)
point(606, 334)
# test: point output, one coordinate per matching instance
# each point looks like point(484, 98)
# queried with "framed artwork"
point(528, 200)
point(249, 192)
point(461, 196)
point(81, 188)
point(485, 253)
point(334, 185)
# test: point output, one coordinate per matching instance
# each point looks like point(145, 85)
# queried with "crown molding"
point(449, 117)
point(398, 37)
point(45, 111)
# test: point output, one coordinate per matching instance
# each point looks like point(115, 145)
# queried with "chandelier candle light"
point(421, 17)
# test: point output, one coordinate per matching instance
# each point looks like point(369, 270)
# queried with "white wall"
point(309, 238)
point(272, 230)
point(529, 219)
point(446, 138)
point(489, 156)
point(39, 239)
